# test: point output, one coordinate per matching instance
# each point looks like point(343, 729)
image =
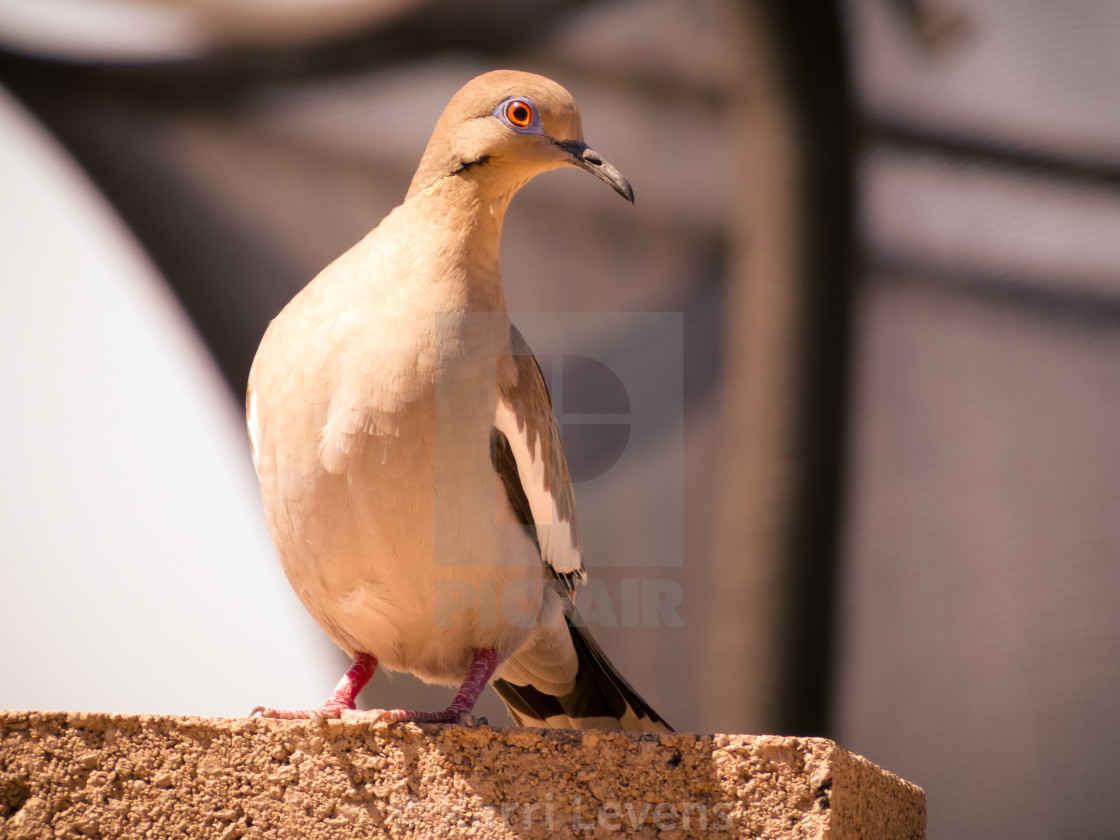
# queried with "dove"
point(411, 467)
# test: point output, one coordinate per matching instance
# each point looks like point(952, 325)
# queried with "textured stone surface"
point(67, 775)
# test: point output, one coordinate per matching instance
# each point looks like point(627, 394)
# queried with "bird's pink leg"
point(482, 668)
point(343, 697)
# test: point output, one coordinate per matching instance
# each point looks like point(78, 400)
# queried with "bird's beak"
point(589, 159)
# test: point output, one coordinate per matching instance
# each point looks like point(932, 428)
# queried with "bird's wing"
point(560, 678)
point(529, 459)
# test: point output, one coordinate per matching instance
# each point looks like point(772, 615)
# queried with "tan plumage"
point(404, 439)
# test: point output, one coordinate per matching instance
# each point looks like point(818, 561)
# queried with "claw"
point(328, 711)
point(459, 712)
point(341, 704)
point(342, 699)
point(459, 716)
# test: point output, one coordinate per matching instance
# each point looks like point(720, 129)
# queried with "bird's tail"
point(597, 698)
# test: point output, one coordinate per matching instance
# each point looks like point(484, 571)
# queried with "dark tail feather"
point(600, 698)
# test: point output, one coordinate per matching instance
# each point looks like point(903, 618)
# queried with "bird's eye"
point(519, 113)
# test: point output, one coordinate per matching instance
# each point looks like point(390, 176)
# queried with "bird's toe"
point(328, 711)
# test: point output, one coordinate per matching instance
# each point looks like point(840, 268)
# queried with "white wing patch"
point(557, 538)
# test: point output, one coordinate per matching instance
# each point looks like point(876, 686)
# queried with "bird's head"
point(504, 127)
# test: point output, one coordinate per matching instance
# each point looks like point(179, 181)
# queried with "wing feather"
point(535, 460)
point(560, 678)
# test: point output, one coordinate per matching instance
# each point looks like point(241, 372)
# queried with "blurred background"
point(892, 230)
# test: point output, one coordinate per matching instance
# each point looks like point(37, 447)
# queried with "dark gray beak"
point(592, 161)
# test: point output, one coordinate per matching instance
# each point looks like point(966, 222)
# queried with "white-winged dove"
point(410, 463)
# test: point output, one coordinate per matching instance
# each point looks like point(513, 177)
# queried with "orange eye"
point(519, 113)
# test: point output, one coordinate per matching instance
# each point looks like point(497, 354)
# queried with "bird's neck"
point(463, 231)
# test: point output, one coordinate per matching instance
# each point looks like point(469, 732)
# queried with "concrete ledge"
point(65, 775)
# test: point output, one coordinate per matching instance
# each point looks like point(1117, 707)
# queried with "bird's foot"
point(328, 711)
point(342, 699)
point(482, 667)
point(452, 714)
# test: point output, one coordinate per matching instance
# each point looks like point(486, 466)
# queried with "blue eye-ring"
point(520, 114)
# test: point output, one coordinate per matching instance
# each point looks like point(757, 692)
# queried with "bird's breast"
point(381, 493)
